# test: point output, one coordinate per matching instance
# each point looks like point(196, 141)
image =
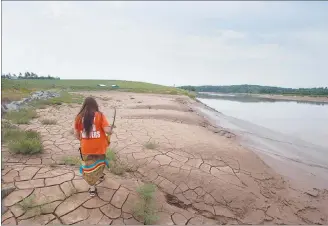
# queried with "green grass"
point(71, 161)
point(145, 209)
point(146, 191)
point(48, 121)
point(64, 97)
point(31, 208)
point(7, 125)
point(27, 146)
point(117, 168)
point(11, 94)
point(79, 85)
point(20, 141)
point(115, 165)
point(110, 155)
point(23, 116)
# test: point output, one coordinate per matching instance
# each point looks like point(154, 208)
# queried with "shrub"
point(110, 155)
point(23, 116)
point(64, 97)
point(26, 146)
point(115, 166)
point(7, 125)
point(146, 191)
point(20, 141)
point(145, 209)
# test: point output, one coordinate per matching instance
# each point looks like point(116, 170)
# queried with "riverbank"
point(293, 98)
point(286, 154)
point(203, 173)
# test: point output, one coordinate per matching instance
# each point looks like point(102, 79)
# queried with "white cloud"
point(162, 42)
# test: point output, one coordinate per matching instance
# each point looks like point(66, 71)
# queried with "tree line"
point(256, 89)
point(27, 75)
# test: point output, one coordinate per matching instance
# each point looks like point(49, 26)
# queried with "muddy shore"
point(294, 98)
point(297, 160)
point(204, 173)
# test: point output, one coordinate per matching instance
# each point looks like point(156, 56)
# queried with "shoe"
point(92, 193)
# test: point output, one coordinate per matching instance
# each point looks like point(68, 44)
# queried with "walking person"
point(92, 128)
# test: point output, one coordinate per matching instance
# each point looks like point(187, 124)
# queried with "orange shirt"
point(97, 142)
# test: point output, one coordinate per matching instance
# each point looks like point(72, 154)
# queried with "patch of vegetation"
point(28, 202)
point(14, 94)
point(5, 124)
point(30, 146)
point(23, 116)
point(110, 155)
point(20, 141)
point(116, 166)
point(64, 98)
point(80, 85)
point(145, 209)
point(192, 95)
point(150, 145)
point(32, 209)
point(71, 161)
point(48, 121)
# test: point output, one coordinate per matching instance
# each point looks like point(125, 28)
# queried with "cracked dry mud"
point(204, 176)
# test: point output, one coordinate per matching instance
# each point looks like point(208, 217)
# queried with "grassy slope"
point(22, 88)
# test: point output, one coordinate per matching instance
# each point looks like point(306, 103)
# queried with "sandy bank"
point(205, 174)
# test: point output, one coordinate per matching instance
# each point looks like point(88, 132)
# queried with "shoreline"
point(277, 97)
point(293, 98)
point(265, 146)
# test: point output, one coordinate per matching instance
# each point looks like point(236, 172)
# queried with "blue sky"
point(196, 43)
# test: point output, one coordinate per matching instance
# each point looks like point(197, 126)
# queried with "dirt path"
point(204, 176)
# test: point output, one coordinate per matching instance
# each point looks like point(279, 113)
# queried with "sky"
point(170, 42)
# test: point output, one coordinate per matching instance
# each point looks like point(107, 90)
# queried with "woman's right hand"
point(108, 130)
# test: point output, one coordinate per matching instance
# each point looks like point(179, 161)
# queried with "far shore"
point(294, 98)
point(318, 99)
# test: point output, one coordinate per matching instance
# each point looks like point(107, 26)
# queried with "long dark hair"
point(87, 113)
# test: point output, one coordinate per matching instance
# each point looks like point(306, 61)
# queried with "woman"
point(91, 128)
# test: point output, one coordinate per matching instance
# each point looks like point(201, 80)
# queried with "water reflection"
point(300, 119)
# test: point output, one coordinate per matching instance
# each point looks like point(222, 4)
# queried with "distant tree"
point(258, 89)
point(28, 75)
point(33, 75)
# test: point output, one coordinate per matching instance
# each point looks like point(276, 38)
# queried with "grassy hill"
point(16, 89)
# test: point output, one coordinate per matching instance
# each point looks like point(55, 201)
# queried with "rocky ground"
point(203, 175)
point(39, 95)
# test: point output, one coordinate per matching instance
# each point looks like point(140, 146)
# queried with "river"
point(295, 133)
